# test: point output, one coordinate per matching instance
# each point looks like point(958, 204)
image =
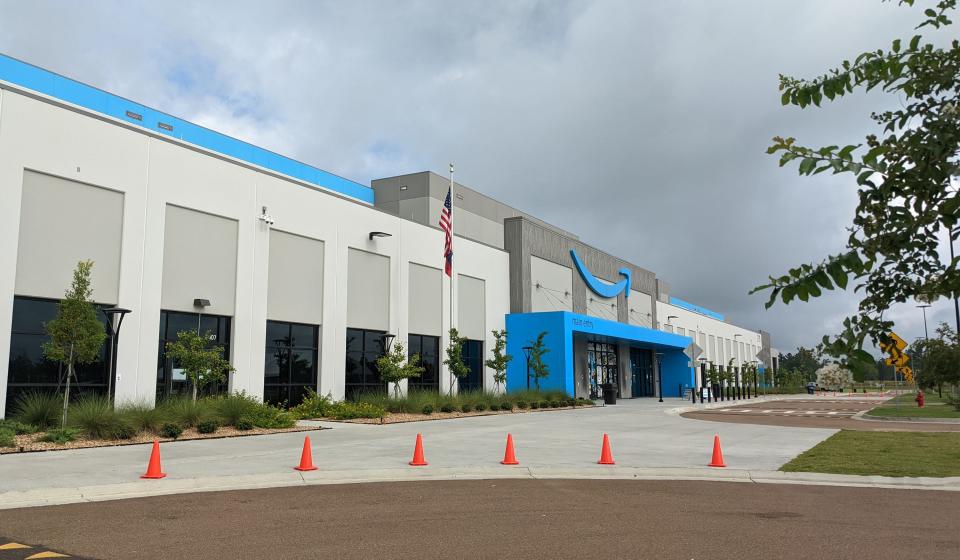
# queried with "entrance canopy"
point(561, 326)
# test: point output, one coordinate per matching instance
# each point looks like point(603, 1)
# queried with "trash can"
point(609, 393)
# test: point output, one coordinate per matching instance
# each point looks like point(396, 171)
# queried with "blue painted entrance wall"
point(560, 326)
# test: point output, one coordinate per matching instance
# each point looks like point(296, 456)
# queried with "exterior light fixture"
point(379, 234)
point(200, 302)
point(113, 330)
point(386, 340)
point(526, 353)
point(671, 317)
point(660, 375)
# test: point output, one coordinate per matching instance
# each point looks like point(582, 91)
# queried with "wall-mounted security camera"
point(266, 218)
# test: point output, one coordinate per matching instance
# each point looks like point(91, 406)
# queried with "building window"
point(30, 371)
point(602, 367)
point(290, 362)
point(472, 356)
point(429, 349)
point(170, 378)
point(361, 376)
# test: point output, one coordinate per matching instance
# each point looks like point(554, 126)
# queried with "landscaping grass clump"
point(883, 453)
point(312, 406)
point(480, 406)
point(142, 416)
point(535, 405)
point(427, 409)
point(39, 409)
point(446, 408)
point(506, 405)
point(186, 412)
point(244, 425)
point(231, 408)
point(465, 407)
point(60, 436)
point(522, 405)
point(95, 417)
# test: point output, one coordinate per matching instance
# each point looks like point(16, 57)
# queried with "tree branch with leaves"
point(498, 363)
point(903, 179)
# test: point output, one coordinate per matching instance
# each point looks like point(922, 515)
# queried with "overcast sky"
point(639, 125)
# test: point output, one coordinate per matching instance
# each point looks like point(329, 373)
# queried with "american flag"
point(446, 224)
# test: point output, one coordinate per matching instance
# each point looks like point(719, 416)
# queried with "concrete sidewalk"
point(647, 441)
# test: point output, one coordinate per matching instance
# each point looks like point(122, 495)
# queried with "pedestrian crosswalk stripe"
point(12, 546)
point(833, 413)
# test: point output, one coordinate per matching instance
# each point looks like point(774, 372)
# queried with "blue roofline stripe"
point(695, 308)
point(71, 91)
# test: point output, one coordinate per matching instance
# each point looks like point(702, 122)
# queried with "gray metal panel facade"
point(523, 238)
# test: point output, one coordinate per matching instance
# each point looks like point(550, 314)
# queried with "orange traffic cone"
point(717, 460)
point(606, 456)
point(153, 467)
point(306, 457)
point(509, 458)
point(418, 460)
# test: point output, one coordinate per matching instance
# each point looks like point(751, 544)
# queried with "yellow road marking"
point(12, 546)
point(46, 554)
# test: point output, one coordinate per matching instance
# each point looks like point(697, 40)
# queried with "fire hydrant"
point(919, 399)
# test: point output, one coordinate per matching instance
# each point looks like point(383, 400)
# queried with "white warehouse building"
point(302, 276)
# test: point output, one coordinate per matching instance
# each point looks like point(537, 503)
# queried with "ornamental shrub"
point(534, 405)
point(522, 405)
point(480, 406)
point(7, 438)
point(244, 424)
point(465, 407)
point(94, 415)
point(427, 409)
point(60, 435)
point(506, 405)
point(171, 430)
point(446, 408)
point(208, 426)
point(39, 409)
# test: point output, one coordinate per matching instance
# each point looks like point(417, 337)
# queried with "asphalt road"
point(827, 413)
point(548, 519)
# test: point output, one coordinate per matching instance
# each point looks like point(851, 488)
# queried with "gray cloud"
point(639, 125)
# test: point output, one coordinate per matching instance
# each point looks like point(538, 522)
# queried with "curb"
point(865, 417)
point(171, 485)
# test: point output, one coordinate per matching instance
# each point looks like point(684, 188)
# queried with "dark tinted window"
point(363, 349)
point(290, 367)
point(428, 348)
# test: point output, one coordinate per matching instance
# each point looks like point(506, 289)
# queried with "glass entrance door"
point(602, 367)
point(641, 372)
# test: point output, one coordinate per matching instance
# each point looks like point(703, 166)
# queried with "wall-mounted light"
point(671, 317)
point(379, 234)
point(200, 302)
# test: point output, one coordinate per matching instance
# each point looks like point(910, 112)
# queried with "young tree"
point(498, 363)
point(76, 336)
point(394, 367)
point(540, 369)
point(454, 362)
point(202, 363)
point(940, 359)
point(903, 180)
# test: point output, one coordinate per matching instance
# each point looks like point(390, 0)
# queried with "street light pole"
point(660, 375)
point(526, 353)
point(114, 332)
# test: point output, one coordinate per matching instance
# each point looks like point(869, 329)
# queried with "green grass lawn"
point(907, 398)
point(911, 411)
point(883, 453)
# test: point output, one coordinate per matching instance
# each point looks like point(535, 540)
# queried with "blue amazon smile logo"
point(599, 287)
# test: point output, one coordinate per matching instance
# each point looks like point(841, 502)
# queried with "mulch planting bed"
point(28, 442)
point(401, 417)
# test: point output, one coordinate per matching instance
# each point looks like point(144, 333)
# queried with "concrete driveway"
point(642, 432)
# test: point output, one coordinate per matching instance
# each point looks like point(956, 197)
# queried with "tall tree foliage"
point(903, 178)
point(76, 336)
point(498, 363)
point(202, 362)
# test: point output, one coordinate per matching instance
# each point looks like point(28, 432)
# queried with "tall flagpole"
point(452, 198)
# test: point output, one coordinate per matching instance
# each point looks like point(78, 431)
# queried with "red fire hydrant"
point(919, 399)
